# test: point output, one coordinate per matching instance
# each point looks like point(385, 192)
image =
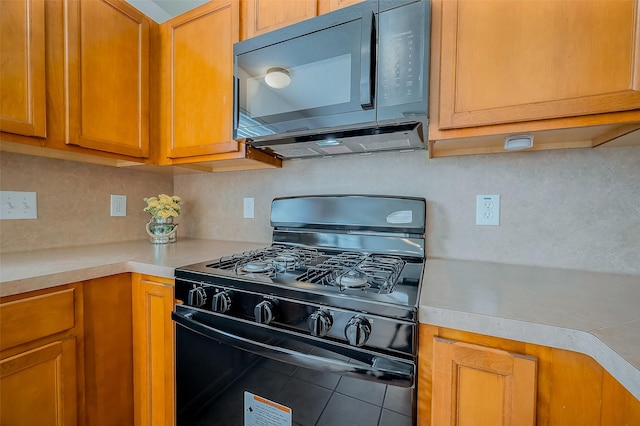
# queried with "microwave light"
point(515, 143)
point(278, 78)
point(329, 142)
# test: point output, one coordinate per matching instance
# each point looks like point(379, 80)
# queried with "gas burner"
point(352, 280)
point(256, 267)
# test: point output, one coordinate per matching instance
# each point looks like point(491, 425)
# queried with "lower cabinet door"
point(38, 386)
point(153, 360)
point(477, 385)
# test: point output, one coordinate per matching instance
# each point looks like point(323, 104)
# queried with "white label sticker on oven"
point(400, 216)
point(259, 411)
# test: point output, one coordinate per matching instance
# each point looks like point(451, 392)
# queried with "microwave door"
point(318, 80)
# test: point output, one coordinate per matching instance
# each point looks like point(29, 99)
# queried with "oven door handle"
point(382, 369)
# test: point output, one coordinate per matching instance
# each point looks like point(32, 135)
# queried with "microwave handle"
point(367, 58)
point(381, 370)
point(236, 103)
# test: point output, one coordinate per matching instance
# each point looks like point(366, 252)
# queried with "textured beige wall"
point(576, 209)
point(73, 202)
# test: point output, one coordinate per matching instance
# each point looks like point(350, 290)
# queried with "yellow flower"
point(163, 206)
point(164, 213)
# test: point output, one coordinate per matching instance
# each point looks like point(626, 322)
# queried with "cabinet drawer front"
point(26, 320)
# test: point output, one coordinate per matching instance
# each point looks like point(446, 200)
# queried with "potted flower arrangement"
point(162, 209)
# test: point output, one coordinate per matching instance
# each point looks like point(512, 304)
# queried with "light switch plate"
point(118, 205)
point(488, 210)
point(18, 205)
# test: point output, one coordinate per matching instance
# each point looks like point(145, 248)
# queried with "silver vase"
point(162, 230)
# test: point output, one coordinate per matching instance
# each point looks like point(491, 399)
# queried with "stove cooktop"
point(354, 280)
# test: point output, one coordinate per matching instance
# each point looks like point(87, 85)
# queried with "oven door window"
point(216, 382)
point(318, 80)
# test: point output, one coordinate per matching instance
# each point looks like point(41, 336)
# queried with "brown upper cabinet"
point(197, 64)
point(108, 77)
point(22, 68)
point(196, 91)
point(262, 16)
point(519, 66)
point(75, 78)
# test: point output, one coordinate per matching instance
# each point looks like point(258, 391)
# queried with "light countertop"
point(32, 270)
point(596, 314)
point(592, 313)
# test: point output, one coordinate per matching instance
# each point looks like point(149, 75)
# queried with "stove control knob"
point(221, 302)
point(197, 297)
point(357, 331)
point(319, 323)
point(265, 311)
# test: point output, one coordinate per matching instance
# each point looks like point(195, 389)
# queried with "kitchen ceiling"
point(163, 10)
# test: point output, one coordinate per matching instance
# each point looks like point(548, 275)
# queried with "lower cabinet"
point(40, 377)
point(153, 355)
point(472, 379)
point(38, 386)
point(473, 384)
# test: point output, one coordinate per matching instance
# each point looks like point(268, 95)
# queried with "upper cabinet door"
point(262, 16)
point(512, 61)
point(22, 68)
point(108, 77)
point(197, 80)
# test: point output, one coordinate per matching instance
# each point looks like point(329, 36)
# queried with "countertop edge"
point(545, 335)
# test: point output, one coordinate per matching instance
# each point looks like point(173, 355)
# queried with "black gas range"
point(342, 274)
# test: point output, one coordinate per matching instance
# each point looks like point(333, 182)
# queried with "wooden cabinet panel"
point(262, 16)
point(503, 62)
point(153, 358)
point(108, 351)
point(197, 80)
point(476, 385)
point(108, 77)
point(38, 387)
point(32, 318)
point(565, 72)
point(22, 68)
point(571, 388)
point(326, 6)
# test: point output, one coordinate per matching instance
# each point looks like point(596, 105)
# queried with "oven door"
point(233, 372)
point(313, 75)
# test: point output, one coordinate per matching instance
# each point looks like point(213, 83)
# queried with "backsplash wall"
point(73, 202)
point(575, 209)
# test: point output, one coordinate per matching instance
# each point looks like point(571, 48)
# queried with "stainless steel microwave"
point(352, 81)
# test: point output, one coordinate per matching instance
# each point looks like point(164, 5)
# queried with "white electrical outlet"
point(488, 210)
point(247, 211)
point(118, 205)
point(18, 205)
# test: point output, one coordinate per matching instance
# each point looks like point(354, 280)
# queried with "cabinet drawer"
point(29, 319)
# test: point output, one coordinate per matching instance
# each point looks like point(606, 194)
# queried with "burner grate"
point(268, 262)
point(349, 271)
